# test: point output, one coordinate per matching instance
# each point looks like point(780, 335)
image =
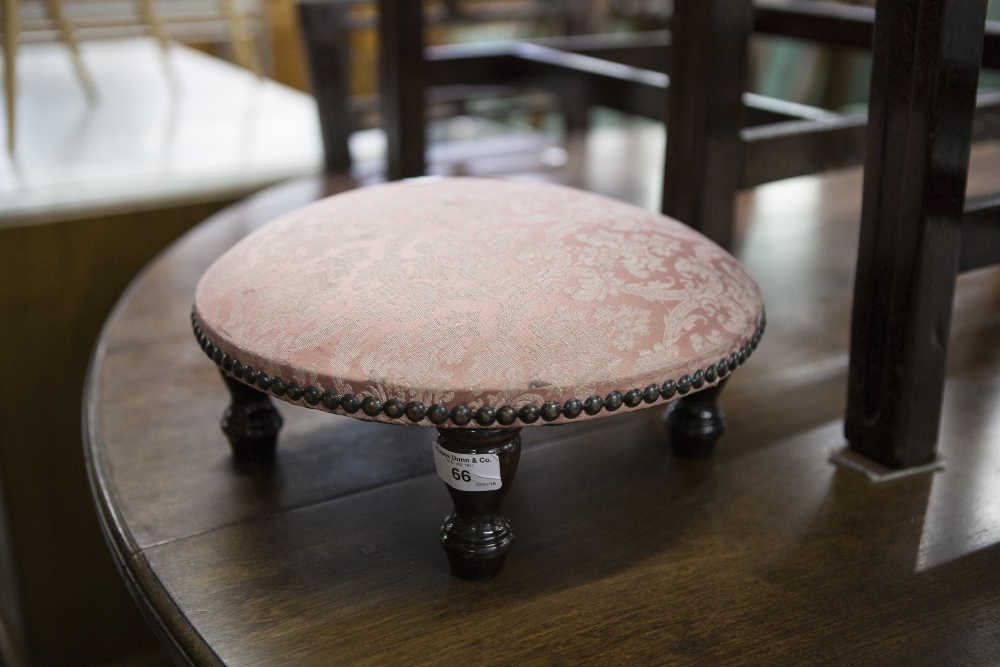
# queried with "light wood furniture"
point(11, 37)
point(765, 554)
point(241, 44)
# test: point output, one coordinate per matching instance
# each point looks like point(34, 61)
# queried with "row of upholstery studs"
point(485, 416)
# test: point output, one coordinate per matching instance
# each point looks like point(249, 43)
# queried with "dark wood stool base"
point(251, 422)
point(476, 536)
point(696, 422)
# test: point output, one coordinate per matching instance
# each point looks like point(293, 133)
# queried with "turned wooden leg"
point(251, 421)
point(478, 465)
point(696, 422)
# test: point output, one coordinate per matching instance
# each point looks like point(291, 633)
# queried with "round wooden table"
point(766, 554)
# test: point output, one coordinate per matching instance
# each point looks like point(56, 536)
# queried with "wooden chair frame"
point(771, 139)
point(722, 139)
point(917, 229)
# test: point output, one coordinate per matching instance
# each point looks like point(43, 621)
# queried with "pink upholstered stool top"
point(474, 302)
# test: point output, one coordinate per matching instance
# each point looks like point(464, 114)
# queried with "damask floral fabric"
point(472, 291)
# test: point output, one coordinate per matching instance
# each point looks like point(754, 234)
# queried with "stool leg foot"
point(476, 536)
point(251, 422)
point(696, 422)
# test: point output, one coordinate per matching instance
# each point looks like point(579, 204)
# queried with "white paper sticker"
point(468, 472)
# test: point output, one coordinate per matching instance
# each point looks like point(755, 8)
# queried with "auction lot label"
point(468, 472)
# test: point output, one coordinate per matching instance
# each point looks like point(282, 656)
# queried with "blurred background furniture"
point(703, 167)
point(918, 230)
point(329, 29)
point(622, 72)
point(730, 139)
point(205, 23)
point(11, 37)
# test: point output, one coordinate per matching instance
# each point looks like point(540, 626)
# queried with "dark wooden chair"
point(724, 138)
point(721, 138)
point(713, 151)
point(626, 74)
point(774, 139)
point(917, 228)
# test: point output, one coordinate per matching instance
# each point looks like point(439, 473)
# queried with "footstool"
point(478, 307)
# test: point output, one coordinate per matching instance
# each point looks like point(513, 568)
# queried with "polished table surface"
point(766, 554)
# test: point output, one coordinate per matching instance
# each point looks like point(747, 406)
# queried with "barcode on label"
point(468, 472)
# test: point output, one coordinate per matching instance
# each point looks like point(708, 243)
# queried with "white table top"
point(223, 134)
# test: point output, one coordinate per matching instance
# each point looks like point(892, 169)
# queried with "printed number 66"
point(464, 476)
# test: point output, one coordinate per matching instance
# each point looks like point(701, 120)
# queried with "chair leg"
point(58, 14)
point(704, 161)
point(240, 40)
point(923, 94)
point(696, 422)
point(11, 32)
point(401, 86)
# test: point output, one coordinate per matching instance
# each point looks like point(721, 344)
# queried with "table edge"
point(182, 642)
